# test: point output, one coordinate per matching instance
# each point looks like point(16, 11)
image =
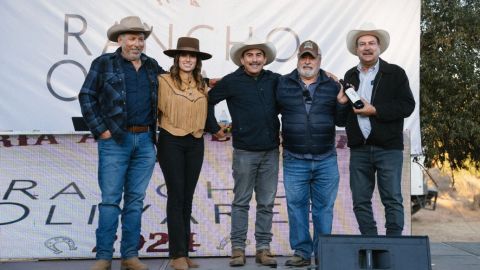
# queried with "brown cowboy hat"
point(128, 24)
point(188, 44)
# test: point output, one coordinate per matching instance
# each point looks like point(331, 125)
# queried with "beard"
point(308, 73)
point(132, 55)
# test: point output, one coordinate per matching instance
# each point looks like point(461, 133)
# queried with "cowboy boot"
point(238, 258)
point(264, 257)
point(133, 264)
point(191, 263)
point(102, 265)
point(179, 263)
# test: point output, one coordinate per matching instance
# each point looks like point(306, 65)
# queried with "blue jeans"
point(308, 182)
point(123, 169)
point(366, 162)
point(253, 171)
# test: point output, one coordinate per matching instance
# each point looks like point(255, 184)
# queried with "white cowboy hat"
point(128, 24)
point(367, 29)
point(252, 43)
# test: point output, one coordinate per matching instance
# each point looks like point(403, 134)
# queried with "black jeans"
point(369, 161)
point(180, 158)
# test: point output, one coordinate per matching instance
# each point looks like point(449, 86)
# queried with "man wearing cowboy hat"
point(249, 92)
point(119, 104)
point(375, 131)
point(311, 104)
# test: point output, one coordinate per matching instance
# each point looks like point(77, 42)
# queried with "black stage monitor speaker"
point(352, 252)
point(79, 124)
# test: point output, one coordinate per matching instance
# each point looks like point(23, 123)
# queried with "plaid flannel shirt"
point(103, 94)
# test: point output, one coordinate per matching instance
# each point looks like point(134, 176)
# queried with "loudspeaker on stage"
point(352, 252)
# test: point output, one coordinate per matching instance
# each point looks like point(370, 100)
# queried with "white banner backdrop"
point(49, 196)
point(48, 45)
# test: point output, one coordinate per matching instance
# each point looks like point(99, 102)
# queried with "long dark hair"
point(196, 73)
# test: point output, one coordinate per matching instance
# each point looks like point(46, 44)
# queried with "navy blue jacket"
point(393, 101)
point(251, 103)
point(309, 132)
point(103, 95)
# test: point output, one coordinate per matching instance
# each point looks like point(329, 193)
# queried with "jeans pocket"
point(104, 139)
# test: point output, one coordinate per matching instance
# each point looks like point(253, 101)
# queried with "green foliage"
point(449, 82)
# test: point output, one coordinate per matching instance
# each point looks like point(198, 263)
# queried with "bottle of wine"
point(352, 95)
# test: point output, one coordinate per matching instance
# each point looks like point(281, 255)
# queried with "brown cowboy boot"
point(191, 263)
point(238, 258)
point(297, 261)
point(133, 264)
point(102, 265)
point(264, 257)
point(179, 263)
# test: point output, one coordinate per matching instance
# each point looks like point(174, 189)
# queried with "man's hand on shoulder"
point(213, 81)
point(331, 75)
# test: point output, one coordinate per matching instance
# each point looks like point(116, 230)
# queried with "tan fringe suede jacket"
point(181, 111)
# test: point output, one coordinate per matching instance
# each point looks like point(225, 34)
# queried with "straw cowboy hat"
point(367, 29)
point(128, 24)
point(252, 43)
point(188, 44)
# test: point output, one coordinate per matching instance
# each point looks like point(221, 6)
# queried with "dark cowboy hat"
point(126, 25)
point(188, 44)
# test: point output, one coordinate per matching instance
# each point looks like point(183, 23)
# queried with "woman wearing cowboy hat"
point(182, 106)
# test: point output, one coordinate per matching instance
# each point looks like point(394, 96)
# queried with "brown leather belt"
point(138, 129)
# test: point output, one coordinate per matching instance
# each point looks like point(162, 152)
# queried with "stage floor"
point(445, 256)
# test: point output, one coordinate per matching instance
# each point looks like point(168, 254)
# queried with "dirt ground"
point(457, 215)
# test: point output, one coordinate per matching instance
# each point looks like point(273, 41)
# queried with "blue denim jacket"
point(103, 94)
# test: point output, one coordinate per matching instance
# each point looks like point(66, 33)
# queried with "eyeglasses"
point(306, 95)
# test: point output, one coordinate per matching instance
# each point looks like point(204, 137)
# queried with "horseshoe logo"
point(54, 241)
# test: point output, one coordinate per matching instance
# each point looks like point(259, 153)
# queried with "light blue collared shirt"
point(365, 90)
